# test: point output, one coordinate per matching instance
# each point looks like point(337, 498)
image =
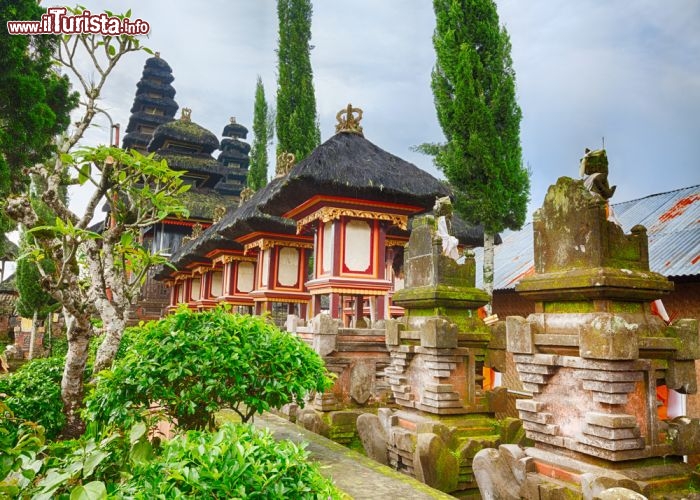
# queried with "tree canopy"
point(257, 173)
point(297, 122)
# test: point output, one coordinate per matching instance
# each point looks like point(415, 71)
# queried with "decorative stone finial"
point(157, 55)
point(285, 162)
point(218, 213)
point(246, 194)
point(594, 170)
point(186, 115)
point(350, 123)
point(232, 120)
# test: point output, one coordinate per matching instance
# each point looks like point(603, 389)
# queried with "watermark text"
point(56, 21)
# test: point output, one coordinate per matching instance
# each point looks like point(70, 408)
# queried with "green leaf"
point(137, 431)
point(84, 173)
point(94, 490)
point(112, 51)
point(141, 452)
point(92, 461)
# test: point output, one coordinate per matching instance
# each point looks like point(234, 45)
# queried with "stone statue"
point(594, 170)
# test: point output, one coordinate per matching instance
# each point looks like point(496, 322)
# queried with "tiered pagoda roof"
point(234, 155)
point(153, 105)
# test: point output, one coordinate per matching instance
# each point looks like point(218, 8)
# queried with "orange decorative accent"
point(327, 214)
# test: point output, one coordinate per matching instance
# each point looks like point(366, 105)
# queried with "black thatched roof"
point(467, 234)
point(184, 131)
point(349, 165)
point(195, 250)
point(146, 86)
point(248, 218)
point(202, 202)
point(234, 129)
point(167, 104)
point(9, 285)
point(143, 118)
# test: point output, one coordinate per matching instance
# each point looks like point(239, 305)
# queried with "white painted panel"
point(265, 273)
point(288, 272)
point(217, 284)
point(246, 273)
point(358, 240)
point(326, 259)
point(196, 289)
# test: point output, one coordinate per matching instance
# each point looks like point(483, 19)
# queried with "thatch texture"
point(235, 130)
point(167, 104)
point(351, 166)
point(143, 118)
point(184, 131)
point(164, 89)
point(248, 218)
point(202, 202)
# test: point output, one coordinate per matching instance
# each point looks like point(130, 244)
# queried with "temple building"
point(215, 184)
point(327, 234)
point(154, 104)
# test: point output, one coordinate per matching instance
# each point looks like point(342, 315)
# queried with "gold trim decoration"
point(285, 162)
point(245, 195)
point(351, 122)
point(186, 115)
point(327, 214)
point(225, 259)
point(219, 213)
point(266, 243)
point(196, 233)
point(395, 243)
point(348, 291)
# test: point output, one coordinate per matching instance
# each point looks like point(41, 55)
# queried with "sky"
point(628, 72)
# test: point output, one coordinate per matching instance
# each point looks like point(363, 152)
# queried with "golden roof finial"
point(350, 123)
point(246, 194)
point(285, 162)
point(186, 115)
point(157, 55)
point(232, 120)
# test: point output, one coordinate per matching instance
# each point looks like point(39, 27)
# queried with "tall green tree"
point(257, 173)
point(473, 85)
point(297, 122)
point(35, 102)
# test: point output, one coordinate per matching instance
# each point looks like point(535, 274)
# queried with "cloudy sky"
point(625, 71)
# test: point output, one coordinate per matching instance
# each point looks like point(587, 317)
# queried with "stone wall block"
point(681, 377)
point(686, 330)
point(439, 334)
point(519, 336)
point(434, 463)
point(373, 437)
point(609, 337)
point(684, 434)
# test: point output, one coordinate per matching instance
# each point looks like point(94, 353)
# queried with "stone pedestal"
point(593, 355)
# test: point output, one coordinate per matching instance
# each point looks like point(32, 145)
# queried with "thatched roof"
point(184, 131)
point(167, 104)
point(349, 165)
point(248, 218)
point(143, 118)
point(9, 285)
point(202, 202)
point(145, 86)
point(234, 129)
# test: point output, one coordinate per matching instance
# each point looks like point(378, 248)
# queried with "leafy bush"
point(237, 461)
point(34, 393)
point(20, 443)
point(195, 363)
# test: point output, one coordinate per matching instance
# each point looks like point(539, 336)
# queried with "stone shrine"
point(592, 355)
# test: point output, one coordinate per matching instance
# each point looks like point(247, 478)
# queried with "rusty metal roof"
point(672, 220)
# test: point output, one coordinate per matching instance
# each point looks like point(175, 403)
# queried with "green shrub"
point(193, 364)
point(34, 393)
point(237, 461)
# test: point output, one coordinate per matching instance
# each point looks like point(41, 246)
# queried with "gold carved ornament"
point(186, 115)
point(327, 214)
point(388, 242)
point(196, 233)
point(219, 213)
point(349, 120)
point(246, 194)
point(226, 259)
point(285, 163)
point(265, 244)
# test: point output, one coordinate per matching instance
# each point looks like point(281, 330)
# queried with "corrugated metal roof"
point(672, 220)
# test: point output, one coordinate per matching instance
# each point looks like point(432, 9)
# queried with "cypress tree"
point(297, 123)
point(473, 85)
point(257, 173)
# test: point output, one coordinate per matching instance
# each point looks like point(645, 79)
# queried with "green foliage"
point(473, 85)
point(34, 99)
point(297, 123)
point(20, 444)
point(194, 364)
point(257, 173)
point(235, 462)
point(32, 296)
point(34, 393)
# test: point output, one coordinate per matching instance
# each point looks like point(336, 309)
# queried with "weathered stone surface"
point(686, 330)
point(392, 332)
point(373, 437)
point(620, 494)
point(611, 420)
point(434, 464)
point(684, 434)
point(593, 485)
point(310, 420)
point(438, 333)
point(519, 336)
point(680, 376)
point(361, 381)
point(325, 334)
point(494, 476)
point(609, 337)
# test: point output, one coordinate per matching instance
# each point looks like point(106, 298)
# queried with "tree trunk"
point(114, 325)
point(32, 335)
point(48, 341)
point(488, 267)
point(72, 383)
